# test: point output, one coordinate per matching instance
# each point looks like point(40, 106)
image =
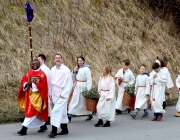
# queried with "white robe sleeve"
point(147, 91)
point(132, 80)
point(89, 79)
point(49, 85)
point(111, 93)
point(67, 88)
point(170, 82)
point(136, 85)
point(178, 82)
point(34, 88)
point(163, 79)
point(99, 85)
point(151, 79)
point(118, 74)
point(116, 79)
point(47, 72)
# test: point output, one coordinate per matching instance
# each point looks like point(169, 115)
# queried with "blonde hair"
point(108, 70)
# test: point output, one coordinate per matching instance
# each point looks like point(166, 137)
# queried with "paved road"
point(124, 128)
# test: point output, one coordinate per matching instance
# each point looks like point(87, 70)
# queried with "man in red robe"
point(33, 98)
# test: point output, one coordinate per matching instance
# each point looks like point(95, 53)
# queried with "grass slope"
point(104, 31)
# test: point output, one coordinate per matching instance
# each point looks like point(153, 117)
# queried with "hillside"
point(104, 31)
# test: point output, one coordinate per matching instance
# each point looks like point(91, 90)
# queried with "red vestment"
point(34, 103)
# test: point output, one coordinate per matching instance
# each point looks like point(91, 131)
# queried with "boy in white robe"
point(142, 92)
point(124, 77)
point(60, 85)
point(158, 80)
point(178, 102)
point(169, 83)
point(46, 70)
point(83, 81)
point(107, 100)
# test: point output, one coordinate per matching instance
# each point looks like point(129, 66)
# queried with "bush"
point(91, 94)
point(130, 90)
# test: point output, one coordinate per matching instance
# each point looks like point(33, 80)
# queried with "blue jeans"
point(135, 112)
point(157, 114)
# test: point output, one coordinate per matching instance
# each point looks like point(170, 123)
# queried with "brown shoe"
point(177, 114)
point(159, 118)
point(154, 119)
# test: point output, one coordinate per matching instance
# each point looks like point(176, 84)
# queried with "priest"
point(33, 98)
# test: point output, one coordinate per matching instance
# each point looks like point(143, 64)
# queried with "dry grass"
point(104, 31)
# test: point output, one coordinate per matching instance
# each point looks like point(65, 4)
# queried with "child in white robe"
point(169, 83)
point(124, 77)
point(178, 102)
point(107, 100)
point(142, 92)
point(158, 80)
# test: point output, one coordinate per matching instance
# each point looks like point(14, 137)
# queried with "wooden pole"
point(30, 39)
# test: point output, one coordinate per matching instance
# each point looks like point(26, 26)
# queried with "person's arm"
point(99, 85)
point(132, 80)
point(111, 93)
point(118, 76)
point(88, 78)
point(163, 79)
point(136, 85)
point(68, 87)
point(151, 79)
point(147, 91)
point(178, 82)
point(73, 73)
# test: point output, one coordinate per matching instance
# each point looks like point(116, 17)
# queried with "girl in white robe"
point(107, 100)
point(142, 92)
point(178, 102)
point(123, 78)
point(83, 81)
point(158, 80)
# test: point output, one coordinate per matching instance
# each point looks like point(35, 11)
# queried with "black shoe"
point(89, 118)
point(118, 112)
point(129, 110)
point(52, 135)
point(23, 131)
point(69, 118)
point(100, 122)
point(107, 124)
point(64, 129)
point(42, 128)
point(63, 132)
point(53, 132)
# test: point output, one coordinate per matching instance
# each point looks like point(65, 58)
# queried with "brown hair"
point(81, 58)
point(143, 65)
point(155, 66)
point(126, 62)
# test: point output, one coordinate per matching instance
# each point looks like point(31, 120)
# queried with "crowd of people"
point(50, 97)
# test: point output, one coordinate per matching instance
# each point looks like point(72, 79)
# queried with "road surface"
point(123, 128)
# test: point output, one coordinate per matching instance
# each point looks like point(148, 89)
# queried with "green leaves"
point(91, 94)
point(130, 90)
